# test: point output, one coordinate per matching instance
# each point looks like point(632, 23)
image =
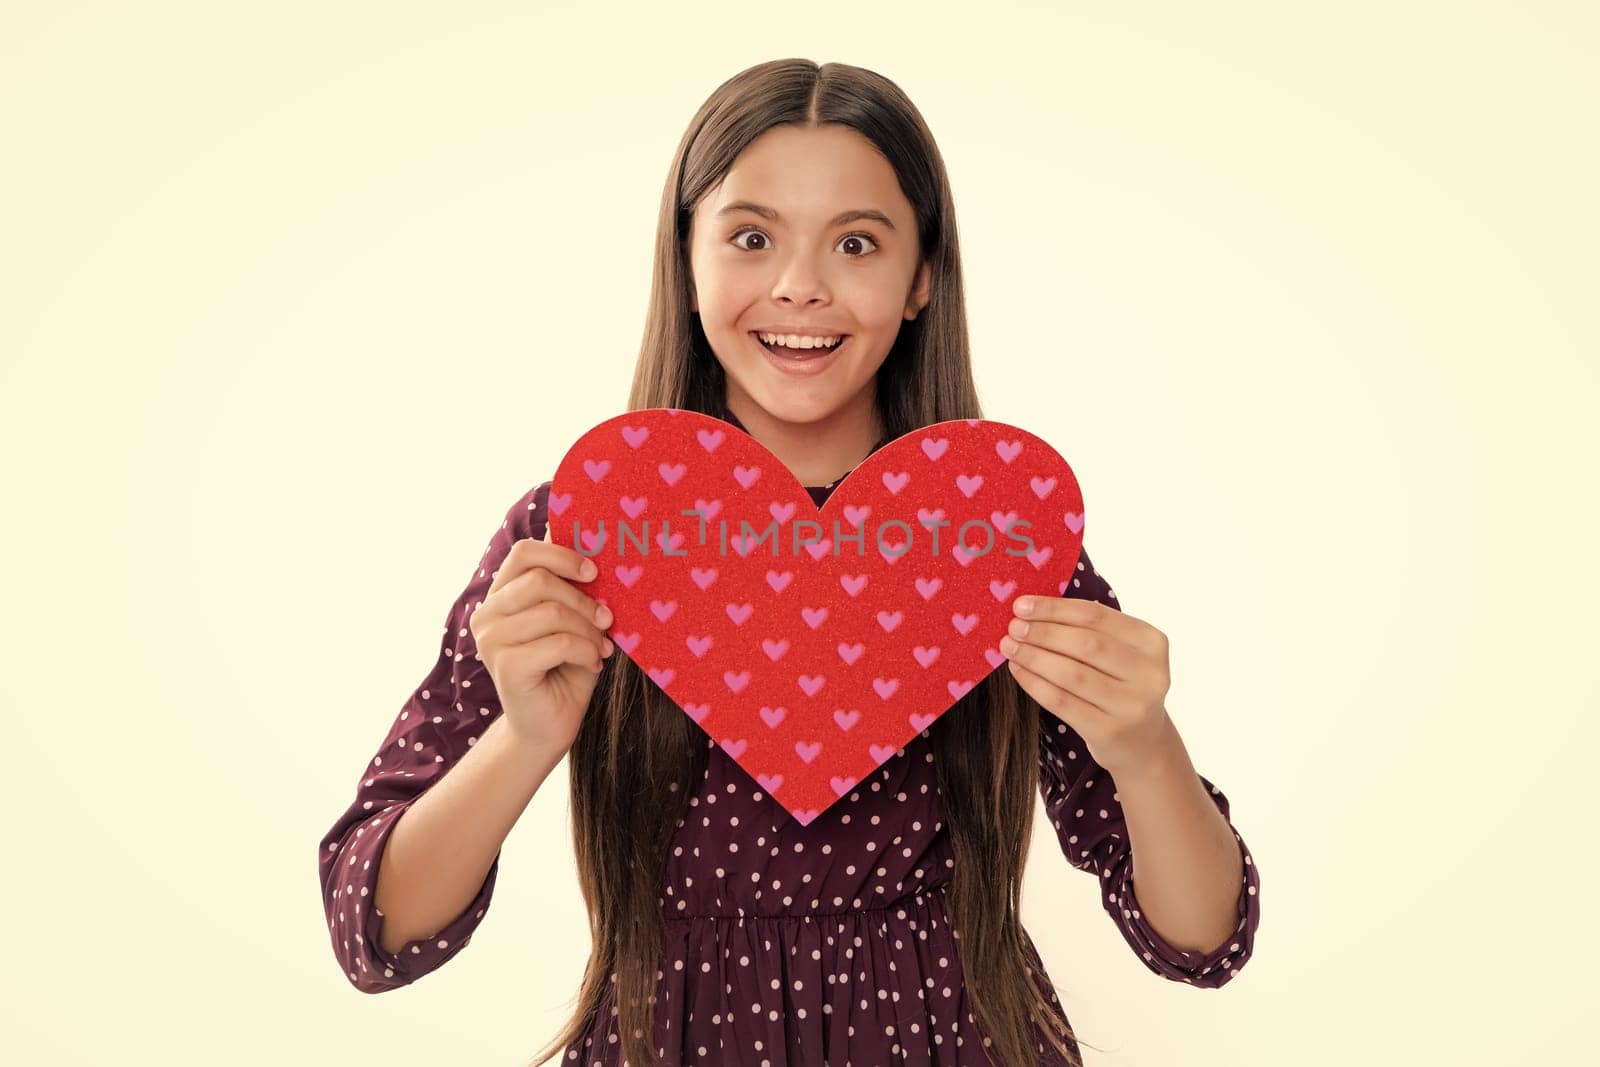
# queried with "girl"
point(807, 290)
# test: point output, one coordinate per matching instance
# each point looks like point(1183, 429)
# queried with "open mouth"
point(802, 353)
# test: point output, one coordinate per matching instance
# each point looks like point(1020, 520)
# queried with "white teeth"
point(796, 341)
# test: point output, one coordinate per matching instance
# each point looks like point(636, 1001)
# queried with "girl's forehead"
point(809, 175)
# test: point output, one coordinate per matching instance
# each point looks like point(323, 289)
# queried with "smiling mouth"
point(802, 354)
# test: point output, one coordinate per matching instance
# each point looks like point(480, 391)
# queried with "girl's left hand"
point(1101, 671)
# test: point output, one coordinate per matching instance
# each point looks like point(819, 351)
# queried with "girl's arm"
point(1081, 799)
point(444, 843)
point(438, 878)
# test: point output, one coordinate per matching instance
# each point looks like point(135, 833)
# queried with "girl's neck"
point(817, 454)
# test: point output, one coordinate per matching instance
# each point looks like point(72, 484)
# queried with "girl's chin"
point(797, 406)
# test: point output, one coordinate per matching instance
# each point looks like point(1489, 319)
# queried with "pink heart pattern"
point(811, 670)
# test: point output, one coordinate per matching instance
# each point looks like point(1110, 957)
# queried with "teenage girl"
point(807, 290)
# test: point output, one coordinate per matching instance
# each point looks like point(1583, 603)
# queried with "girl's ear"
point(920, 289)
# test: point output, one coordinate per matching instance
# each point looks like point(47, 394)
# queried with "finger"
point(540, 621)
point(1078, 680)
point(529, 553)
point(535, 660)
point(1089, 613)
point(539, 584)
point(1084, 644)
point(1078, 714)
point(580, 555)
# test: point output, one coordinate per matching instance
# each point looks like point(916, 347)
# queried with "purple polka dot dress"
point(782, 944)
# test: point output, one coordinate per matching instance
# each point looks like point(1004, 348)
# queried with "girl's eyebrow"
point(838, 220)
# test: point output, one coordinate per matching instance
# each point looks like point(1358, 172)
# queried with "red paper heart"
point(813, 663)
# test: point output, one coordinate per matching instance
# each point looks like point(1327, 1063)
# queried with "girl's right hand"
point(542, 641)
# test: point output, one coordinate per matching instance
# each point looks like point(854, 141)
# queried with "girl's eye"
point(738, 238)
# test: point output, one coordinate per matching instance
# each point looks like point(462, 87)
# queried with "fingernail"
point(588, 570)
point(1024, 605)
point(602, 616)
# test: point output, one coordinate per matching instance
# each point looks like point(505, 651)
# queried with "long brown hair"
point(637, 756)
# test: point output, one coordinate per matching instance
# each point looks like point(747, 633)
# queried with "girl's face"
point(807, 234)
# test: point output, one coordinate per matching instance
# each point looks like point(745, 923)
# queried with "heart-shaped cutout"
point(813, 644)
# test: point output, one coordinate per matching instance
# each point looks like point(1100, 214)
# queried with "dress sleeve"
point(446, 715)
point(1082, 802)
